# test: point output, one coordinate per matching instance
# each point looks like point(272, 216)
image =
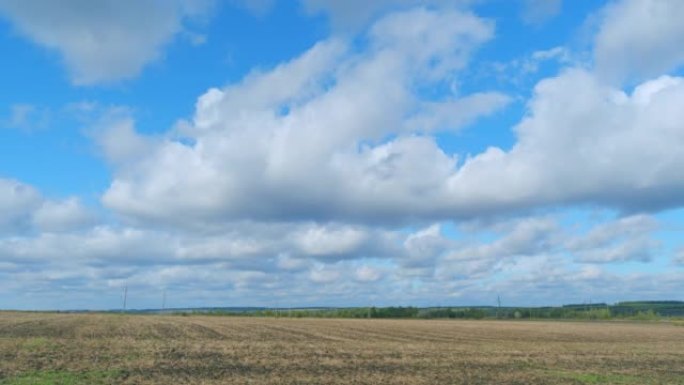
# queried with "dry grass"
point(118, 349)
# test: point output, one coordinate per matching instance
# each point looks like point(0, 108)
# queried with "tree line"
point(637, 310)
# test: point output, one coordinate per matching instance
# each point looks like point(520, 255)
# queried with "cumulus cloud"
point(330, 241)
point(323, 275)
point(529, 236)
point(521, 238)
point(368, 274)
point(422, 249)
point(626, 239)
point(17, 202)
point(102, 41)
point(24, 209)
point(551, 282)
point(581, 142)
point(525, 242)
point(326, 172)
point(251, 260)
point(585, 142)
point(98, 245)
point(118, 140)
point(66, 215)
point(638, 39)
point(338, 135)
point(642, 249)
point(247, 246)
point(306, 140)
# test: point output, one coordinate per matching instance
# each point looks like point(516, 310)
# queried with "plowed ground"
point(121, 349)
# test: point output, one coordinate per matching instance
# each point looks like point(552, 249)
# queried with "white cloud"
point(640, 249)
point(639, 39)
point(286, 262)
point(257, 262)
point(628, 238)
point(561, 54)
point(539, 11)
point(355, 13)
point(305, 140)
point(449, 115)
point(550, 283)
point(414, 35)
point(351, 15)
point(533, 237)
point(424, 246)
point(67, 215)
point(20, 115)
point(243, 245)
point(97, 245)
point(324, 275)
point(24, 209)
point(318, 241)
point(106, 40)
point(27, 117)
point(529, 236)
point(17, 202)
point(585, 142)
point(523, 244)
point(302, 180)
point(367, 274)
point(118, 140)
point(522, 72)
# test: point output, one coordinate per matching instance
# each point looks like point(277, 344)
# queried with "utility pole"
point(164, 300)
point(498, 310)
point(125, 297)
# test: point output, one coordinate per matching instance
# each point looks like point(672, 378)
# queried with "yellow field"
point(118, 349)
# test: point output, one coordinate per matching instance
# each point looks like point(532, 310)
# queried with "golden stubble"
point(131, 349)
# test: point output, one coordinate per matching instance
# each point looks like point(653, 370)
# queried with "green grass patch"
point(63, 378)
point(38, 343)
point(594, 378)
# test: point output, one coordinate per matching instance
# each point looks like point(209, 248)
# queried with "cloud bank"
point(324, 179)
point(102, 41)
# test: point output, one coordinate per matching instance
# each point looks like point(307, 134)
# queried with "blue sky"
point(328, 152)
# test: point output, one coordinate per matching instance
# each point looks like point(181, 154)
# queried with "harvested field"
point(123, 349)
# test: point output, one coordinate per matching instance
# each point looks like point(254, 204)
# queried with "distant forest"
point(633, 310)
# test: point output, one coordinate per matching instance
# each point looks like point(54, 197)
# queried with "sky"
point(340, 152)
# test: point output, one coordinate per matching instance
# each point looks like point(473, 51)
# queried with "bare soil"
point(39, 348)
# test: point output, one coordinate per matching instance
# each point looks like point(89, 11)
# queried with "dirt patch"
point(124, 349)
